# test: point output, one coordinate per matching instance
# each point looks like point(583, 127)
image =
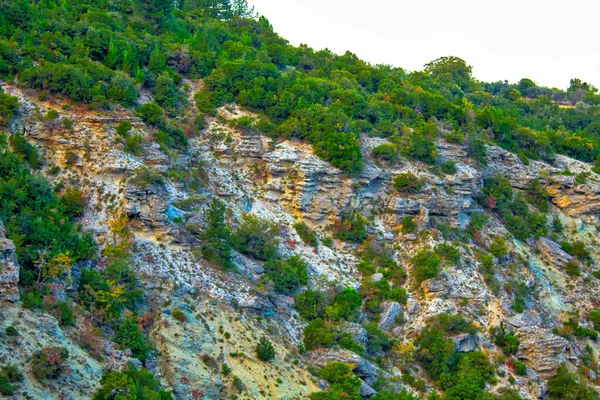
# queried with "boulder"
point(464, 343)
point(366, 391)
point(412, 306)
point(320, 357)
point(361, 367)
point(358, 333)
point(527, 318)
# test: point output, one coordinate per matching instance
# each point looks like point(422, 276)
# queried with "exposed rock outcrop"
point(9, 268)
point(391, 310)
point(541, 350)
point(464, 343)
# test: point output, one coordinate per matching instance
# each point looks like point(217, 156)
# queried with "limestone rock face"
point(412, 306)
point(541, 350)
point(320, 357)
point(434, 287)
point(575, 200)
point(552, 252)
point(9, 268)
point(301, 181)
point(358, 333)
point(391, 310)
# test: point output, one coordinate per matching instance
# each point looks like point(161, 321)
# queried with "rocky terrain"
point(283, 181)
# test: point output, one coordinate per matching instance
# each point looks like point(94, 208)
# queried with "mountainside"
point(192, 208)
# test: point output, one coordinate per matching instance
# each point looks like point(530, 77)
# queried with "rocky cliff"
point(284, 182)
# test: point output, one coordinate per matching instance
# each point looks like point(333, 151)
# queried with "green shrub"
point(130, 384)
point(265, 350)
point(403, 395)
point(426, 264)
point(343, 383)
point(408, 225)
point(580, 331)
point(25, 150)
point(317, 334)
point(564, 386)
point(576, 249)
point(498, 247)
point(476, 223)
point(179, 315)
point(520, 368)
point(434, 352)
point(217, 244)
point(51, 115)
point(572, 269)
point(225, 370)
point(345, 304)
point(557, 226)
point(13, 373)
point(345, 341)
point(123, 128)
point(6, 388)
point(507, 341)
point(73, 202)
point(408, 183)
point(537, 195)
point(496, 193)
point(49, 363)
point(287, 276)
point(67, 123)
point(311, 304)
point(352, 227)
point(11, 331)
point(385, 152)
point(581, 178)
point(131, 337)
point(65, 313)
point(151, 113)
point(447, 252)
point(448, 167)
point(257, 238)
point(307, 235)
point(145, 176)
point(32, 300)
point(377, 341)
point(595, 318)
point(9, 107)
point(418, 147)
point(451, 324)
point(133, 144)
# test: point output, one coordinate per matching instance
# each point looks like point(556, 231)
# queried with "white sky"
point(549, 41)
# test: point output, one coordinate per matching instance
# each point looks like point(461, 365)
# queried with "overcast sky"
point(549, 41)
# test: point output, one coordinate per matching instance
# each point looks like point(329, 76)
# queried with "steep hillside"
point(193, 208)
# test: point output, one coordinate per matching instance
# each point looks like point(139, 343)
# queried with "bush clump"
point(352, 227)
point(408, 183)
point(257, 238)
point(49, 363)
point(179, 315)
point(287, 275)
point(307, 235)
point(131, 384)
point(426, 265)
point(265, 350)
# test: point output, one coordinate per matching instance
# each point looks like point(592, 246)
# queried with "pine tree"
point(217, 236)
point(265, 350)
